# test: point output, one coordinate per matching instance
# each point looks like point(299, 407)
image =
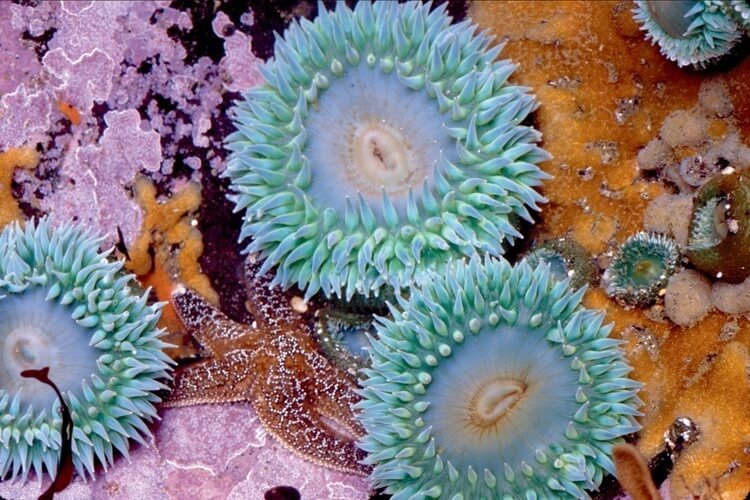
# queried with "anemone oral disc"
point(377, 135)
point(35, 333)
point(671, 15)
point(505, 389)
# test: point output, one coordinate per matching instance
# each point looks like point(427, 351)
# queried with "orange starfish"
point(301, 399)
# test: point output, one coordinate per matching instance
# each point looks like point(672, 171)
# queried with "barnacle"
point(384, 140)
point(641, 268)
point(719, 241)
point(492, 381)
point(687, 31)
point(566, 259)
point(65, 306)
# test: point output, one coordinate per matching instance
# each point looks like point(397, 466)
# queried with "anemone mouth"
point(34, 334)
point(65, 306)
point(384, 138)
point(492, 401)
point(688, 32)
point(496, 394)
point(484, 385)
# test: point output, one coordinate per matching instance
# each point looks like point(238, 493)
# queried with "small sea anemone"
point(688, 32)
point(740, 10)
point(65, 306)
point(492, 381)
point(384, 140)
point(719, 241)
point(566, 259)
point(639, 271)
point(343, 338)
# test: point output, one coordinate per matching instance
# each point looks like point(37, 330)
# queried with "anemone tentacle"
point(491, 381)
point(719, 242)
point(639, 271)
point(384, 139)
point(65, 306)
point(740, 10)
point(688, 32)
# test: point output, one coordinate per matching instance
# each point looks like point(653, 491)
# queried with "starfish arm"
point(335, 394)
point(225, 380)
point(281, 407)
point(211, 328)
point(268, 304)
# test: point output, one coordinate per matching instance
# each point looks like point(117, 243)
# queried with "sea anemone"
point(384, 140)
point(566, 259)
point(719, 241)
point(342, 337)
point(639, 271)
point(740, 10)
point(689, 32)
point(65, 306)
point(492, 381)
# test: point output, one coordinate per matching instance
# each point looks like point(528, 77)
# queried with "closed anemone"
point(491, 381)
point(384, 140)
point(719, 241)
point(65, 306)
point(640, 269)
point(567, 259)
point(689, 32)
point(342, 336)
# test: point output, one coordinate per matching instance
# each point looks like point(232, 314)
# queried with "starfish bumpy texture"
point(384, 139)
point(303, 400)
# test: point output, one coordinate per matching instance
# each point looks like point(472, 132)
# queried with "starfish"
point(300, 397)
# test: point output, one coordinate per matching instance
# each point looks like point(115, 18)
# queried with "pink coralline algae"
point(240, 65)
point(221, 451)
point(83, 80)
point(128, 58)
point(106, 92)
point(87, 192)
point(31, 123)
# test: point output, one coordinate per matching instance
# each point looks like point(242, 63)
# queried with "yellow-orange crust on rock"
point(10, 160)
point(166, 253)
point(604, 92)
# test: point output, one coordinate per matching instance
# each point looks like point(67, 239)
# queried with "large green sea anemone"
point(492, 381)
point(384, 140)
point(691, 32)
point(65, 306)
